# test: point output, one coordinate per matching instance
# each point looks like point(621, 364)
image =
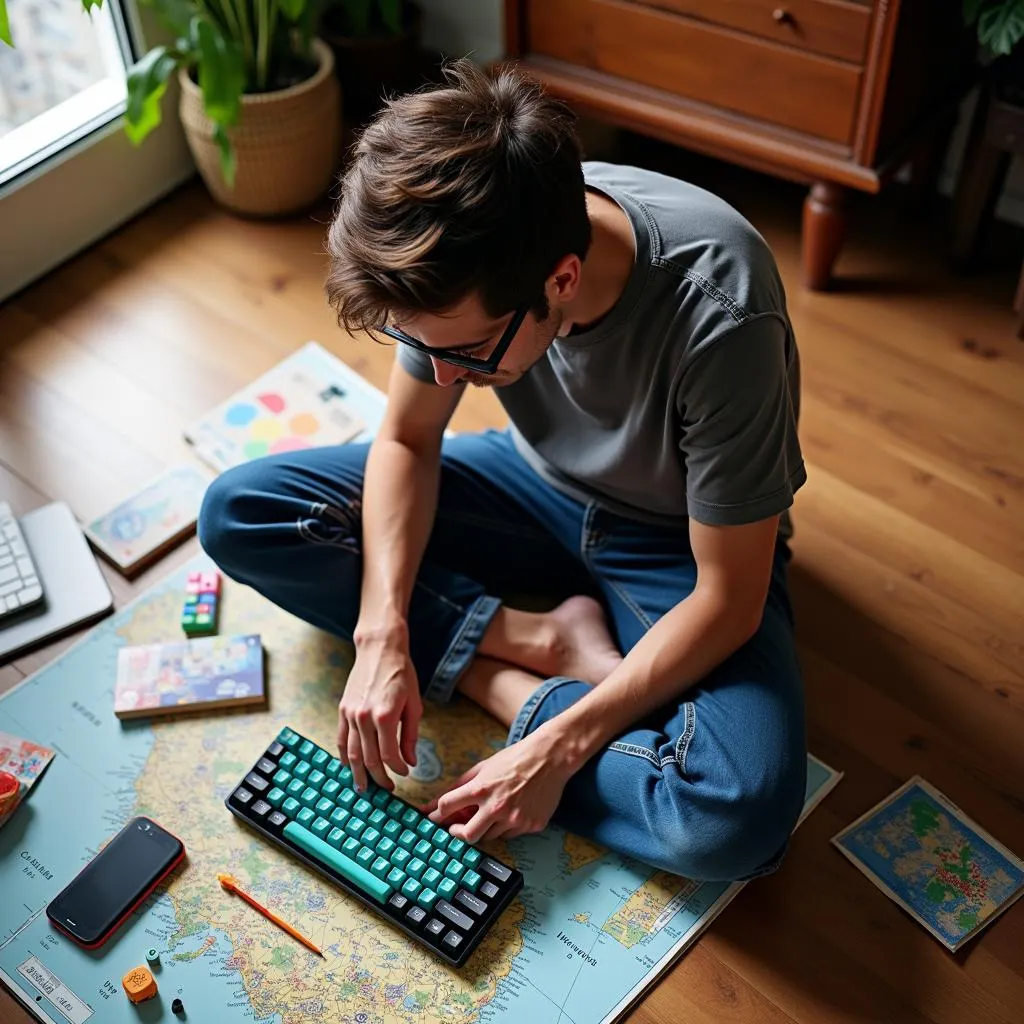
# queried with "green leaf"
point(175, 14)
point(228, 160)
point(88, 5)
point(391, 14)
point(147, 83)
point(221, 72)
point(292, 9)
point(1001, 28)
point(5, 24)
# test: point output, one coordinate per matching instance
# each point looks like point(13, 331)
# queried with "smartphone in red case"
point(105, 892)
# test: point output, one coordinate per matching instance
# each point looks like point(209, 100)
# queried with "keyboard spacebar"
point(333, 858)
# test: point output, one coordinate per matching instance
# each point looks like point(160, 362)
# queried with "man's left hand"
point(512, 793)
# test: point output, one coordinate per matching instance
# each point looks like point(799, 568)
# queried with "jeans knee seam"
point(635, 750)
point(637, 611)
point(683, 743)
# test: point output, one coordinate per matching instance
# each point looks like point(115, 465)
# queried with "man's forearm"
point(399, 503)
point(682, 647)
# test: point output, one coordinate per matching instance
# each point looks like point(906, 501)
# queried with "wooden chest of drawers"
point(834, 93)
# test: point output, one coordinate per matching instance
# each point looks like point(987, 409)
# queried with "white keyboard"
point(19, 581)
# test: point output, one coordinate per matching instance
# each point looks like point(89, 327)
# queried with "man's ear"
point(564, 281)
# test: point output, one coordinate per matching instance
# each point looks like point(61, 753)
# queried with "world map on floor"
point(590, 931)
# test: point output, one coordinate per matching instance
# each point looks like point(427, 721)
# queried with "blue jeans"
point(709, 787)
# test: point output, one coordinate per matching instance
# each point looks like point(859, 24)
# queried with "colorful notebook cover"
point(923, 852)
point(26, 761)
point(201, 674)
point(152, 520)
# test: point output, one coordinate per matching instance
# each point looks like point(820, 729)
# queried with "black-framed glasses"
point(488, 365)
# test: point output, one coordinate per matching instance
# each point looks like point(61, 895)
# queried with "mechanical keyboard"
point(19, 581)
point(380, 849)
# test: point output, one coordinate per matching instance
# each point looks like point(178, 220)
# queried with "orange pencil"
point(230, 883)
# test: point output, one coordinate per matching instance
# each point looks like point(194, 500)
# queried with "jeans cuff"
point(462, 649)
point(528, 712)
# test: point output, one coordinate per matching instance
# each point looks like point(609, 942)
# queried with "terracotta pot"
point(373, 67)
point(287, 142)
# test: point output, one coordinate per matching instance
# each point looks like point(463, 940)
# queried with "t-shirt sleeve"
point(738, 419)
point(416, 363)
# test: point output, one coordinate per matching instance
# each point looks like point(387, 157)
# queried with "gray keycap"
point(468, 900)
point(257, 782)
point(489, 889)
point(452, 940)
point(260, 808)
point(452, 914)
point(242, 795)
point(277, 819)
point(434, 926)
point(416, 914)
point(30, 594)
point(495, 870)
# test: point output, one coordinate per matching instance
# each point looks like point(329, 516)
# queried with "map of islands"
point(590, 931)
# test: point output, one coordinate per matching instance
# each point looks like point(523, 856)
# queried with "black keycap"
point(416, 914)
point(266, 766)
point(257, 782)
point(242, 795)
point(456, 917)
point(495, 870)
point(452, 940)
point(434, 927)
point(260, 808)
point(275, 749)
point(489, 889)
point(277, 819)
point(398, 901)
point(468, 900)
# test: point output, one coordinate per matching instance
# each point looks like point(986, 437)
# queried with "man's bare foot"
point(584, 648)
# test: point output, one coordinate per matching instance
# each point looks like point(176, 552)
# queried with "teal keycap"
point(291, 807)
point(333, 858)
point(281, 778)
point(275, 797)
point(425, 829)
point(410, 817)
point(339, 816)
point(346, 798)
point(454, 869)
point(400, 857)
point(306, 748)
point(423, 849)
point(415, 867)
point(446, 888)
point(288, 761)
point(427, 898)
point(438, 859)
point(377, 819)
point(370, 836)
point(410, 888)
point(320, 758)
point(362, 808)
point(336, 837)
point(320, 827)
point(365, 856)
point(381, 798)
point(288, 738)
point(333, 767)
point(385, 847)
point(380, 867)
point(440, 839)
point(455, 848)
point(354, 826)
point(392, 829)
point(305, 816)
point(316, 779)
point(330, 789)
point(407, 839)
point(345, 775)
point(395, 808)
point(350, 847)
point(471, 880)
point(431, 877)
point(471, 858)
point(295, 787)
point(302, 769)
point(324, 806)
point(309, 796)
point(396, 876)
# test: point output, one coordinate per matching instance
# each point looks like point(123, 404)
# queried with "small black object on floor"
point(177, 1006)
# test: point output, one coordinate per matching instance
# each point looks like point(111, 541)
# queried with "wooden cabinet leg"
point(824, 231)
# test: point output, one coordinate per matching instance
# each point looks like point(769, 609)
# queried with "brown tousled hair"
point(475, 186)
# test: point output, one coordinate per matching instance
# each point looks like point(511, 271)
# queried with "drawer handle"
point(782, 16)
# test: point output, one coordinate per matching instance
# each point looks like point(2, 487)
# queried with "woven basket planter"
point(287, 143)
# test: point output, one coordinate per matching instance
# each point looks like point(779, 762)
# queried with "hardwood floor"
point(908, 576)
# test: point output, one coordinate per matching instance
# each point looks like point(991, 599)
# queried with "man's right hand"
point(381, 695)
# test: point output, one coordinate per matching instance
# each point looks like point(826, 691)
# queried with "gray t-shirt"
point(683, 401)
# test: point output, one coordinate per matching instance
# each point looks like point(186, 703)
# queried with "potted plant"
point(376, 49)
point(1000, 27)
point(259, 101)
